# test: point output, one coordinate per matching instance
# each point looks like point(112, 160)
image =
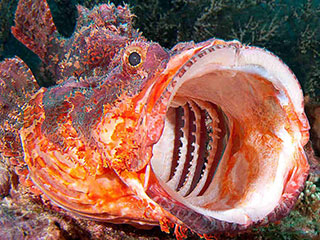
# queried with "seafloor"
point(290, 29)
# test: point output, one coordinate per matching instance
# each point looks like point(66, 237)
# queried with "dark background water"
point(288, 28)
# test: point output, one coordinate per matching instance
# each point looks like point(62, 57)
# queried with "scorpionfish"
point(206, 136)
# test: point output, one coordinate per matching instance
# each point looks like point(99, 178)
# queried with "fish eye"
point(134, 59)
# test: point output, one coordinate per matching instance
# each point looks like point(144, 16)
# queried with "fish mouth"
point(231, 150)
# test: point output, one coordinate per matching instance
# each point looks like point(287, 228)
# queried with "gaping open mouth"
point(232, 144)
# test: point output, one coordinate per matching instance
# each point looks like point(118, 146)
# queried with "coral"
point(308, 43)
point(309, 200)
point(24, 217)
point(4, 182)
point(313, 112)
point(291, 31)
point(295, 227)
point(25, 224)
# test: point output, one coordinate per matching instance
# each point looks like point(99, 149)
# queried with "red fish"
point(205, 136)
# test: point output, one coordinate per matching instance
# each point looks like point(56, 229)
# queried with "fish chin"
point(231, 150)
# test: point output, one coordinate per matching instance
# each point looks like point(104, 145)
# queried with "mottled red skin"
point(94, 78)
point(97, 125)
point(92, 66)
point(96, 83)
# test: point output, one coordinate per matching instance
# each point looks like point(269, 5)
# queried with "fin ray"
point(34, 27)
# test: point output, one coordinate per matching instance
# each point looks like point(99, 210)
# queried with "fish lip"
point(285, 204)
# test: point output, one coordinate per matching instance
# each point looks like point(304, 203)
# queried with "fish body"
point(205, 136)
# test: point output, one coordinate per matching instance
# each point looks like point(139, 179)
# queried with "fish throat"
point(226, 144)
point(197, 133)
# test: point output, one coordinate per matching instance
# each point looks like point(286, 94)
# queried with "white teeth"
point(146, 178)
point(212, 143)
point(195, 154)
point(173, 182)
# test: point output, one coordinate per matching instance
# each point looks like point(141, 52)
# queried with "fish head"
point(220, 128)
point(122, 125)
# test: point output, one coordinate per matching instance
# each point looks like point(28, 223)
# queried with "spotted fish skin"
point(196, 136)
point(93, 77)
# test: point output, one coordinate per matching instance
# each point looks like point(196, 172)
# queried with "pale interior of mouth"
point(225, 151)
